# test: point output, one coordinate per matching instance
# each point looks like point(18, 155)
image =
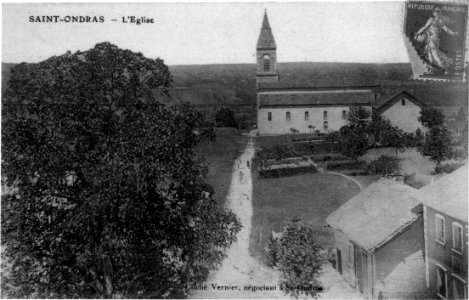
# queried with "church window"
point(266, 62)
point(344, 114)
point(326, 125)
point(306, 115)
point(403, 101)
point(325, 115)
point(269, 116)
point(287, 115)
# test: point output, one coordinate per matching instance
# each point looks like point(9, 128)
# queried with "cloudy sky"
point(209, 33)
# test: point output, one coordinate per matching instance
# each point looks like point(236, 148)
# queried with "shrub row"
point(290, 160)
point(316, 148)
point(327, 157)
point(345, 165)
point(283, 172)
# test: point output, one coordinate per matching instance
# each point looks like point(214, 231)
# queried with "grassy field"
point(220, 156)
point(310, 197)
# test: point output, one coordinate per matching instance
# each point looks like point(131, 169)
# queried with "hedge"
point(327, 157)
point(345, 165)
point(283, 172)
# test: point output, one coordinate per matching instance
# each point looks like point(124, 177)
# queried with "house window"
point(440, 228)
point(287, 116)
point(457, 237)
point(459, 288)
point(403, 101)
point(441, 283)
point(325, 114)
point(344, 115)
point(326, 125)
point(266, 62)
point(269, 116)
point(306, 115)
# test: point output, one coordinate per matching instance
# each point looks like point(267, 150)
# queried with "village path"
point(348, 177)
point(239, 268)
point(242, 270)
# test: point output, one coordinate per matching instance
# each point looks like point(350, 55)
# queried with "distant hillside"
point(210, 87)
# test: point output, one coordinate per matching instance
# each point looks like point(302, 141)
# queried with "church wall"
point(280, 125)
point(404, 116)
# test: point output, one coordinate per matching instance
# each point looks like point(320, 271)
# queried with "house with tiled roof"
point(376, 233)
point(445, 213)
point(402, 110)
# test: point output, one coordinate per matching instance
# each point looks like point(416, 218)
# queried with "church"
point(297, 103)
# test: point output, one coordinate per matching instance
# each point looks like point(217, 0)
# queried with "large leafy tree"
point(109, 197)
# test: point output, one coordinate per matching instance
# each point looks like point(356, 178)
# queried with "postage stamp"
point(234, 150)
point(437, 32)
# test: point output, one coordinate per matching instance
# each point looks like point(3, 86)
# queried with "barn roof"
point(316, 98)
point(448, 194)
point(383, 104)
point(376, 214)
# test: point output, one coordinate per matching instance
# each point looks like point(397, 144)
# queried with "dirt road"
point(240, 272)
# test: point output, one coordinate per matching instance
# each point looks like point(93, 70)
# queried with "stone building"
point(379, 241)
point(286, 104)
point(445, 215)
point(319, 98)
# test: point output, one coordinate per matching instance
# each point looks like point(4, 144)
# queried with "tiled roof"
point(376, 214)
point(310, 74)
point(448, 194)
point(383, 103)
point(316, 98)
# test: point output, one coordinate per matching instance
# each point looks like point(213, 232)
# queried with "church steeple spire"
point(266, 39)
point(266, 54)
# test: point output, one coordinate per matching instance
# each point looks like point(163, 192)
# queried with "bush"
point(447, 168)
point(296, 256)
point(283, 172)
point(385, 165)
point(225, 118)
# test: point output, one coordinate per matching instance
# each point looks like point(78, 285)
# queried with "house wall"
point(404, 116)
point(395, 252)
point(442, 254)
point(346, 248)
point(280, 125)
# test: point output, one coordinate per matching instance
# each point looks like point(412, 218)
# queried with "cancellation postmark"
point(436, 39)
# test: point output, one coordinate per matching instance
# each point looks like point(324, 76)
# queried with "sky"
point(211, 33)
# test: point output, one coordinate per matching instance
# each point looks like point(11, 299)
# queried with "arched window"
point(325, 114)
point(269, 116)
point(326, 125)
point(403, 101)
point(344, 114)
point(287, 116)
point(266, 62)
point(306, 115)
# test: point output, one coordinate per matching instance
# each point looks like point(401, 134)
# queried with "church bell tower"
point(266, 54)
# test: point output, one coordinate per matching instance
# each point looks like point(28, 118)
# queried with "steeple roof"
point(266, 39)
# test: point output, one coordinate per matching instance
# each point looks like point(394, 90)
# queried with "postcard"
point(242, 150)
